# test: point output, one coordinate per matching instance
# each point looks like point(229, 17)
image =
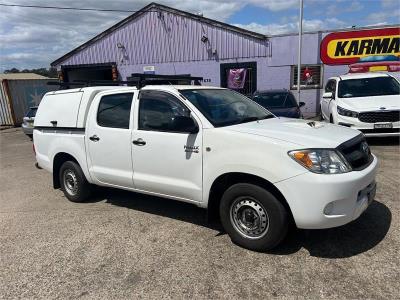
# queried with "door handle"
point(94, 138)
point(139, 142)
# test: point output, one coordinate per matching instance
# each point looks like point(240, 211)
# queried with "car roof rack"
point(136, 79)
point(140, 79)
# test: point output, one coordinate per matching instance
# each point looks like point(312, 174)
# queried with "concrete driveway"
point(125, 245)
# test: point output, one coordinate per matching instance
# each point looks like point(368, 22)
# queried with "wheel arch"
point(224, 181)
point(58, 161)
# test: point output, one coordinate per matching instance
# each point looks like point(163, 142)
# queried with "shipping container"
point(19, 92)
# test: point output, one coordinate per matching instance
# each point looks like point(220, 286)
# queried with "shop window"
point(310, 77)
point(241, 77)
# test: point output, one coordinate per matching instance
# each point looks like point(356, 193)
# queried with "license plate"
point(386, 125)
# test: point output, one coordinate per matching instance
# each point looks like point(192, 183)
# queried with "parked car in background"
point(281, 103)
point(27, 123)
point(369, 102)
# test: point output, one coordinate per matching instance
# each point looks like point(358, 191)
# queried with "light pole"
point(299, 55)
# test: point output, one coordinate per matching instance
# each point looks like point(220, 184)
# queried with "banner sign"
point(236, 78)
point(342, 48)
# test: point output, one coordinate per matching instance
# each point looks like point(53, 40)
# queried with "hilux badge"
point(194, 149)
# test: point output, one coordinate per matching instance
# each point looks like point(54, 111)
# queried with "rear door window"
point(114, 110)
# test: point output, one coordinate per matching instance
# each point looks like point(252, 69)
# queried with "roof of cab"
point(360, 75)
point(91, 89)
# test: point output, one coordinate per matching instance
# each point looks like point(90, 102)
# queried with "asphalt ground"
point(124, 245)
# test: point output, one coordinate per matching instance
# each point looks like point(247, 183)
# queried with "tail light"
point(33, 149)
point(60, 76)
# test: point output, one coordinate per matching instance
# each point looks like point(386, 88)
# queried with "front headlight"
point(321, 161)
point(346, 112)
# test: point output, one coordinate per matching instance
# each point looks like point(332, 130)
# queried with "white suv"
point(369, 102)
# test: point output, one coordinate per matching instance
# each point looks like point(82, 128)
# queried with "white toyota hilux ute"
point(369, 102)
point(211, 147)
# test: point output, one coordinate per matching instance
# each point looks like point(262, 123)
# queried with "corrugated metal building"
point(165, 40)
point(18, 92)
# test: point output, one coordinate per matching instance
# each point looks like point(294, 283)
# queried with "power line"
point(68, 8)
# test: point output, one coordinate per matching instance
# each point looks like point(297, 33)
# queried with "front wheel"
point(73, 182)
point(253, 217)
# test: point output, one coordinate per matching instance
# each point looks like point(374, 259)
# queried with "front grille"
point(379, 116)
point(357, 152)
point(381, 130)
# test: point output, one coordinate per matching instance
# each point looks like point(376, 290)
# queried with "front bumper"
point(322, 201)
point(369, 129)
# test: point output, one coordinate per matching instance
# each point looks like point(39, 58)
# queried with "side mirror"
point(327, 95)
point(184, 124)
point(301, 104)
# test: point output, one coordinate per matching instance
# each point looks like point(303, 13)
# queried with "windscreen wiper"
point(248, 119)
point(251, 119)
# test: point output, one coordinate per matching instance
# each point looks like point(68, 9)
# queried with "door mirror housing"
point(301, 104)
point(184, 124)
point(328, 95)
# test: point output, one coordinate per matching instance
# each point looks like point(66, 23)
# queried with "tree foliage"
point(52, 72)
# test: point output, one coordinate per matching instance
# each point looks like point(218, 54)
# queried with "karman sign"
point(342, 48)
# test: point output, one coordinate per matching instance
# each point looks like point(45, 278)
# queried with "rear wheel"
point(253, 217)
point(73, 182)
point(331, 119)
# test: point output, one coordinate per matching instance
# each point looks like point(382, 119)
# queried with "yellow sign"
point(348, 47)
point(359, 47)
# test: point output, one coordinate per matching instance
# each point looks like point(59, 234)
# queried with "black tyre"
point(331, 119)
point(73, 182)
point(253, 217)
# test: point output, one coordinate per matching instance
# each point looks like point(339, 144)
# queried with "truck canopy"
point(68, 108)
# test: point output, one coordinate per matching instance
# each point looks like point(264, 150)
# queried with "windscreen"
point(225, 107)
point(368, 87)
point(275, 100)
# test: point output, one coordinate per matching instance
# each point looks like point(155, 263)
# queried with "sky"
point(33, 38)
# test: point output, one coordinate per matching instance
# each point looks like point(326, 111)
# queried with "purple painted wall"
point(163, 38)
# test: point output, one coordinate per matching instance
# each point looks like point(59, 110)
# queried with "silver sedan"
point(27, 123)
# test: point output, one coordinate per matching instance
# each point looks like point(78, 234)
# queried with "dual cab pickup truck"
point(211, 147)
